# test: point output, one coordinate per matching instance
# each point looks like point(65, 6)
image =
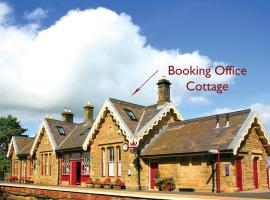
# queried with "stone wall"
point(108, 136)
point(250, 148)
point(45, 147)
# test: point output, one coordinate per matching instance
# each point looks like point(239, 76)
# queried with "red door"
point(239, 174)
point(255, 172)
point(73, 174)
point(153, 170)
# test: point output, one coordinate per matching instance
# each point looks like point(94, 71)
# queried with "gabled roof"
point(50, 127)
point(134, 130)
point(18, 144)
point(201, 134)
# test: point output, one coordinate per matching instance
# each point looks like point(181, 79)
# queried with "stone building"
point(22, 164)
point(132, 142)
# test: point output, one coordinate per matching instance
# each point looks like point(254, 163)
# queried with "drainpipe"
point(58, 168)
point(20, 170)
point(218, 172)
point(139, 169)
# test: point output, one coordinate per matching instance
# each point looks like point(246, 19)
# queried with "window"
point(61, 130)
point(46, 164)
point(86, 164)
point(103, 162)
point(65, 165)
point(131, 115)
point(111, 161)
point(85, 131)
point(227, 169)
point(119, 167)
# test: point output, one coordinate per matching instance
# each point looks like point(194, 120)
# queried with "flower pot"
point(166, 188)
point(116, 187)
point(91, 185)
point(107, 186)
point(97, 186)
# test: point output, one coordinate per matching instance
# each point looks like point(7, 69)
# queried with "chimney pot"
point(217, 121)
point(227, 122)
point(163, 91)
point(88, 112)
point(67, 115)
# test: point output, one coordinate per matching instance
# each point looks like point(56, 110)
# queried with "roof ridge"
point(76, 126)
point(127, 102)
point(209, 116)
point(58, 120)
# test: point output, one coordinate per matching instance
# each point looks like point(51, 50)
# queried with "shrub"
point(90, 181)
point(107, 181)
point(98, 182)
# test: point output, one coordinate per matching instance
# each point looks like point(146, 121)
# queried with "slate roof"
point(76, 138)
point(143, 113)
point(22, 141)
point(26, 150)
point(196, 135)
point(53, 124)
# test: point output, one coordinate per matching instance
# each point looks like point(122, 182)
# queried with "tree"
point(9, 126)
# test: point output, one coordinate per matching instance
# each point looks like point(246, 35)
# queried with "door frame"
point(238, 167)
point(255, 172)
point(151, 161)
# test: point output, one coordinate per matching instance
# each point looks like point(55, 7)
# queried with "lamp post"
point(215, 151)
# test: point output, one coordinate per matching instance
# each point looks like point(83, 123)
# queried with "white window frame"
point(111, 161)
point(103, 162)
point(86, 164)
point(119, 165)
point(66, 164)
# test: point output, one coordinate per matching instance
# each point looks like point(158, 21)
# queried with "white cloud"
point(199, 100)
point(85, 55)
point(36, 14)
point(263, 110)
point(5, 11)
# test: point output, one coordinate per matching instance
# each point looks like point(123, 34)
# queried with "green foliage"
point(9, 126)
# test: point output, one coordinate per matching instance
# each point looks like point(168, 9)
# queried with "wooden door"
point(153, 170)
point(239, 181)
point(73, 173)
point(255, 173)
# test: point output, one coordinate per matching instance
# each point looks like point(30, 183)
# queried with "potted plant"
point(156, 179)
point(118, 184)
point(13, 179)
point(166, 184)
point(90, 183)
point(98, 183)
point(107, 183)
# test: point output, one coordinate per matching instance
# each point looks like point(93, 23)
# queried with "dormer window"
point(61, 130)
point(131, 114)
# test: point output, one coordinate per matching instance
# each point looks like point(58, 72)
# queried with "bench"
point(186, 190)
point(25, 179)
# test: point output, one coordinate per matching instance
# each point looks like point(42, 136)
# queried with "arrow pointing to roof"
point(138, 89)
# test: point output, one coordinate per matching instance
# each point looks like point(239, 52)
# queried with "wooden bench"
point(25, 179)
point(186, 190)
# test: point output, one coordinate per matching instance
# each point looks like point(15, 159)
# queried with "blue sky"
point(234, 32)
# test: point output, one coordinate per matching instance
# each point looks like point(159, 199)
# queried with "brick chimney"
point(163, 91)
point(67, 115)
point(88, 112)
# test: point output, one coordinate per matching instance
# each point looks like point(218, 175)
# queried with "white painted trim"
point(12, 142)
point(108, 105)
point(154, 121)
point(243, 131)
point(119, 121)
point(50, 136)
